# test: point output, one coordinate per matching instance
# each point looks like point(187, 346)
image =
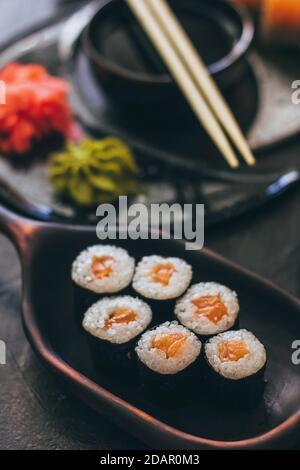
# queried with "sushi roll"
point(100, 269)
point(208, 308)
point(167, 359)
point(113, 324)
point(236, 361)
point(103, 269)
point(160, 279)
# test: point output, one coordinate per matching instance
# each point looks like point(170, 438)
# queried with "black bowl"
point(130, 69)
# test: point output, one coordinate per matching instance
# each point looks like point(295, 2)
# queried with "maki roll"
point(100, 269)
point(103, 269)
point(157, 278)
point(113, 324)
point(167, 359)
point(208, 308)
point(236, 361)
point(162, 278)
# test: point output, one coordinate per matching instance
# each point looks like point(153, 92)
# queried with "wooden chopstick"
point(160, 40)
point(198, 70)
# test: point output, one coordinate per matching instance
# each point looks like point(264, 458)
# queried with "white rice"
point(147, 287)
point(119, 333)
point(157, 360)
point(244, 367)
point(122, 269)
point(186, 311)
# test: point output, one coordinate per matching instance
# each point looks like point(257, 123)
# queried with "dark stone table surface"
point(35, 413)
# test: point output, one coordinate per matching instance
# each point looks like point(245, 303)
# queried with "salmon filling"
point(171, 344)
point(232, 351)
point(211, 307)
point(162, 273)
point(102, 266)
point(120, 315)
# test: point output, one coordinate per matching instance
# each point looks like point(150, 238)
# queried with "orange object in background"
point(282, 13)
point(280, 19)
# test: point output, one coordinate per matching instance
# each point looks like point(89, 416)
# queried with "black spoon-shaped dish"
point(46, 252)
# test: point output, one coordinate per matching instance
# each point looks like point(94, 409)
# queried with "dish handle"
point(18, 229)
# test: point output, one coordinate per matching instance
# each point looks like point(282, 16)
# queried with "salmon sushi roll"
point(167, 359)
point(113, 324)
point(208, 309)
point(100, 269)
point(103, 269)
point(161, 278)
point(236, 361)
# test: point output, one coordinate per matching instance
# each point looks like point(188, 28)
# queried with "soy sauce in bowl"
point(125, 44)
point(129, 67)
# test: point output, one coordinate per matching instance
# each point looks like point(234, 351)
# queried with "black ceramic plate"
point(46, 252)
point(168, 177)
